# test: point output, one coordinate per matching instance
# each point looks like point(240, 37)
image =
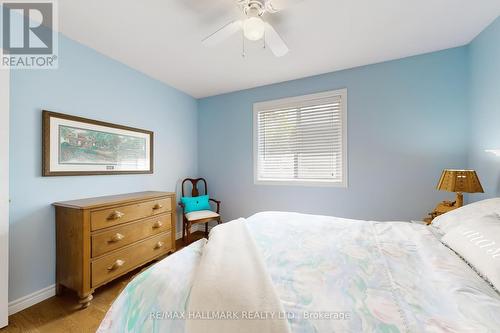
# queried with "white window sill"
point(302, 182)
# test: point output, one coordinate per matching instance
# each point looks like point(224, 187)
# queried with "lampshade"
point(460, 181)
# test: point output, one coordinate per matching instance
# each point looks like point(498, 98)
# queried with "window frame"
point(293, 101)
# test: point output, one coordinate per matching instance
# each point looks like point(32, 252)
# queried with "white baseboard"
point(42, 294)
point(31, 299)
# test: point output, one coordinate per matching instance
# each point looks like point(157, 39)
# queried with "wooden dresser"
point(100, 239)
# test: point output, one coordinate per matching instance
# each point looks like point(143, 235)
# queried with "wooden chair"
point(203, 216)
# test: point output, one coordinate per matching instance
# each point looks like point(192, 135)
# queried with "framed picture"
point(74, 146)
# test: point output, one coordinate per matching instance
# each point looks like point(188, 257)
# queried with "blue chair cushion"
point(194, 204)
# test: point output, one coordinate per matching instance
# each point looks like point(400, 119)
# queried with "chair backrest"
point(194, 183)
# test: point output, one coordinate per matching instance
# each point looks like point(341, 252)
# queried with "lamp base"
point(445, 206)
point(459, 202)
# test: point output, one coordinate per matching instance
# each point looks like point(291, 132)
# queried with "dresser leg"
point(59, 289)
point(85, 300)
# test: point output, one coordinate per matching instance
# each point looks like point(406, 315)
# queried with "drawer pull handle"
point(157, 206)
point(159, 245)
point(116, 215)
point(117, 237)
point(118, 263)
point(157, 225)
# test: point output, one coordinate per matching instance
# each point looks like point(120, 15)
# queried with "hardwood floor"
point(62, 314)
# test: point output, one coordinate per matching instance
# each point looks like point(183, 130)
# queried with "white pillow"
point(478, 242)
point(475, 210)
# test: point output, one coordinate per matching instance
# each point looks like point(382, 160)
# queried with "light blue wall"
point(484, 55)
point(406, 122)
point(91, 85)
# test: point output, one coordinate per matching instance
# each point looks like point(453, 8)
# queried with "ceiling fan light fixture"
point(254, 28)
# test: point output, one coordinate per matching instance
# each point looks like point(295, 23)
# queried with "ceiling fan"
point(254, 28)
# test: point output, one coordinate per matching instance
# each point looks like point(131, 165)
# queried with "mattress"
point(331, 275)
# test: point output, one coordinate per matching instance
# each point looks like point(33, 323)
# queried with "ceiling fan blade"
point(274, 6)
point(223, 33)
point(274, 41)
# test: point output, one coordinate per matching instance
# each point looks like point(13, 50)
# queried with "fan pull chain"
point(243, 54)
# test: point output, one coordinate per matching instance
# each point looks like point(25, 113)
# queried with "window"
point(301, 140)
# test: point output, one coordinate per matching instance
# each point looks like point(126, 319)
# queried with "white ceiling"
point(161, 38)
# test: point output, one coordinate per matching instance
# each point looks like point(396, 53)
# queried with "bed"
point(327, 274)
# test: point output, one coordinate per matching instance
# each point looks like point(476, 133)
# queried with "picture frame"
point(76, 146)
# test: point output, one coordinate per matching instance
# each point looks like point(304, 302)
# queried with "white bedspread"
point(233, 288)
point(330, 275)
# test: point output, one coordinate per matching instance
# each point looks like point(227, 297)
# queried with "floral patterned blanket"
point(331, 275)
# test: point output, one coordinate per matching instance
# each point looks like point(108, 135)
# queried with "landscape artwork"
point(83, 146)
point(75, 146)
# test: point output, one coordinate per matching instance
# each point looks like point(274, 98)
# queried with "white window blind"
point(301, 140)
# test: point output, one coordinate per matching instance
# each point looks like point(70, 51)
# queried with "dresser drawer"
point(119, 262)
point(113, 216)
point(115, 238)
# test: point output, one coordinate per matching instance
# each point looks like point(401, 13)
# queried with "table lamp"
point(460, 181)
